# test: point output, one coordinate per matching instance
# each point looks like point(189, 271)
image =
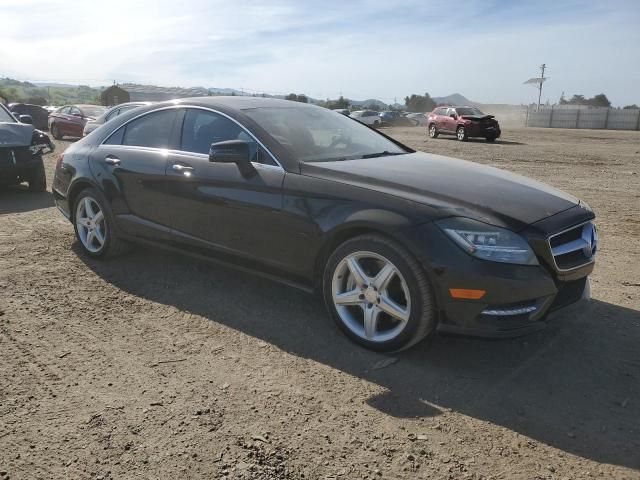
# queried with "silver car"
point(113, 112)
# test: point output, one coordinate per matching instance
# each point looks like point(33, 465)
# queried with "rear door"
point(213, 207)
point(441, 119)
point(131, 165)
point(76, 122)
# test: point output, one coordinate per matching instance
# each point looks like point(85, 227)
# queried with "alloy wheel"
point(432, 131)
point(90, 224)
point(371, 296)
point(461, 134)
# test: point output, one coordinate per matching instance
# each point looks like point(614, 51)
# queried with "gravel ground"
point(158, 366)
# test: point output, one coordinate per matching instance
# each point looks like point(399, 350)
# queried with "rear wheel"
point(55, 131)
point(94, 225)
point(378, 295)
point(461, 134)
point(433, 131)
point(38, 179)
point(376, 123)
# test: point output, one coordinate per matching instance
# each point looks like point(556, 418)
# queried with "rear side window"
point(152, 130)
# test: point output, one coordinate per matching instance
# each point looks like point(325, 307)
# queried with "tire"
point(38, 178)
point(55, 132)
point(376, 124)
point(408, 288)
point(433, 131)
point(461, 134)
point(490, 139)
point(112, 245)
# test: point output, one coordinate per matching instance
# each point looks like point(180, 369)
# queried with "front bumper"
point(518, 298)
point(17, 164)
point(484, 131)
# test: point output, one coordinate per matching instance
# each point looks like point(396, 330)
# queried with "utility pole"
point(542, 69)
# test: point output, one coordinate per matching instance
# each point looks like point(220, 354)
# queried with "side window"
point(74, 111)
point(65, 110)
point(116, 137)
point(201, 128)
point(112, 114)
point(153, 130)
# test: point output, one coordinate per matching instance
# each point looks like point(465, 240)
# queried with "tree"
point(297, 98)
point(599, 100)
point(335, 104)
point(626, 107)
point(419, 103)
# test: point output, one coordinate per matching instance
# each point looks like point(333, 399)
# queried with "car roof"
point(239, 102)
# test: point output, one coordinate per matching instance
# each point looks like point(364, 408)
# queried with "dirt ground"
point(158, 366)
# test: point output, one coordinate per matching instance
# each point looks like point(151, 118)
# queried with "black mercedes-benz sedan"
point(400, 243)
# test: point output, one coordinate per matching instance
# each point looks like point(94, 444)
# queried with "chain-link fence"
point(576, 117)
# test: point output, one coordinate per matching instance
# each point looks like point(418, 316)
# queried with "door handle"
point(180, 168)
point(112, 160)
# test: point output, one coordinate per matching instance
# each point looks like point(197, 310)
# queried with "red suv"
point(463, 122)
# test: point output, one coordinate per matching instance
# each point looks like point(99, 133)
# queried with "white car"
point(368, 117)
point(110, 114)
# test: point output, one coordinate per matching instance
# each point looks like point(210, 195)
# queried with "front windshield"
point(6, 116)
point(93, 111)
point(313, 134)
point(469, 111)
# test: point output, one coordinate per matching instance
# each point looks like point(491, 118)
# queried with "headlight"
point(488, 242)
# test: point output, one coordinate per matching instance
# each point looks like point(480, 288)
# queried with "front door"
point(213, 207)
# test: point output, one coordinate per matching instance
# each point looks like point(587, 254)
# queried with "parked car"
point(343, 111)
point(109, 114)
point(38, 114)
point(464, 123)
point(368, 117)
point(395, 119)
point(69, 121)
point(420, 119)
point(21, 149)
point(399, 242)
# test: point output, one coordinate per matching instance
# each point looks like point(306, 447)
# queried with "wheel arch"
point(74, 190)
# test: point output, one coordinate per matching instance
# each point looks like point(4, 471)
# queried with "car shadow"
point(481, 140)
point(574, 385)
point(18, 198)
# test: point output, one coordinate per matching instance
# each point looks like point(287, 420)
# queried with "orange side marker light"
point(466, 294)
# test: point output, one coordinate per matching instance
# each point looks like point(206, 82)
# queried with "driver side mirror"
point(454, 116)
point(77, 114)
point(25, 119)
point(233, 151)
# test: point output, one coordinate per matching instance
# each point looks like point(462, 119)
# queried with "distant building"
point(130, 92)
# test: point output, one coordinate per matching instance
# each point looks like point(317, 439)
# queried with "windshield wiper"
point(381, 154)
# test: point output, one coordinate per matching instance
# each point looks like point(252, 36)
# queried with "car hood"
point(15, 134)
point(451, 187)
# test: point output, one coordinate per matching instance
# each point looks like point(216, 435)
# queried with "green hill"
point(25, 92)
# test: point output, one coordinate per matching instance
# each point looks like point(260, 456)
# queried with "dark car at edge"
point(21, 149)
point(398, 242)
point(464, 123)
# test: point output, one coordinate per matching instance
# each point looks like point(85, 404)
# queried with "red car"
point(71, 119)
point(463, 122)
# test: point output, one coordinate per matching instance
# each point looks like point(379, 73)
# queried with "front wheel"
point(378, 295)
point(94, 225)
point(461, 134)
point(433, 131)
point(38, 179)
point(490, 139)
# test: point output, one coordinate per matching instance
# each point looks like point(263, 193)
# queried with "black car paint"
point(284, 222)
point(21, 149)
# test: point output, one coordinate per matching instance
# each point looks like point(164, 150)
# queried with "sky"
point(483, 49)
